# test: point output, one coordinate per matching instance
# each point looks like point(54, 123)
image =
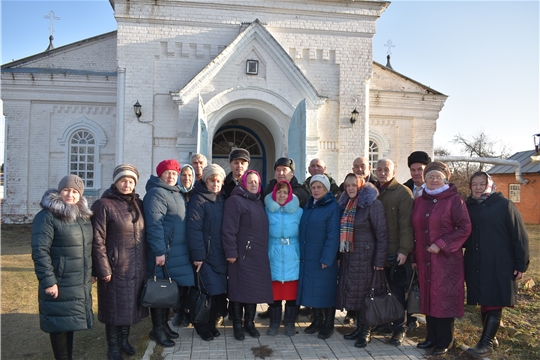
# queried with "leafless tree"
point(477, 145)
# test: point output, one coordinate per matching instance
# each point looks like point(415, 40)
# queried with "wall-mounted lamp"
point(137, 107)
point(354, 116)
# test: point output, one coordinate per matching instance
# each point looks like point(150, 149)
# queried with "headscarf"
point(193, 178)
point(243, 180)
point(346, 228)
point(491, 187)
point(289, 197)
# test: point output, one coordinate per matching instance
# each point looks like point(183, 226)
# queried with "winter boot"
point(328, 326)
point(125, 346)
point(495, 341)
point(60, 345)
point(364, 337)
point(249, 316)
point(158, 328)
point(237, 311)
point(112, 333)
point(291, 312)
point(491, 326)
point(275, 319)
point(170, 333)
point(317, 323)
point(356, 333)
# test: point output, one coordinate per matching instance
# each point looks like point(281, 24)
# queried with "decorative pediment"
point(255, 35)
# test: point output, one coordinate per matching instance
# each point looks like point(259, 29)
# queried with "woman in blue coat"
point(245, 242)
point(205, 216)
point(165, 215)
point(319, 244)
point(284, 214)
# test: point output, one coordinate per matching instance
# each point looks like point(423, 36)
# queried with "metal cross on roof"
point(389, 46)
point(51, 16)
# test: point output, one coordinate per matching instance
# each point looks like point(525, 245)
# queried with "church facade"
point(279, 79)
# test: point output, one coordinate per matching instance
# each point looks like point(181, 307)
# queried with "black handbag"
point(383, 308)
point(199, 302)
point(160, 293)
point(413, 295)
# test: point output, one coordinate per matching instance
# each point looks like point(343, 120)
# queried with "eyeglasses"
point(435, 177)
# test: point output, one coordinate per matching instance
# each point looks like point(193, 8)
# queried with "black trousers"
point(440, 331)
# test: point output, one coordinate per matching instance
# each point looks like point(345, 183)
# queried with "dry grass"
point(21, 336)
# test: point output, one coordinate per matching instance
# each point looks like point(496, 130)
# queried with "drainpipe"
point(121, 105)
point(495, 161)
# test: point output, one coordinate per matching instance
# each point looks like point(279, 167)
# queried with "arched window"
point(82, 157)
point(373, 154)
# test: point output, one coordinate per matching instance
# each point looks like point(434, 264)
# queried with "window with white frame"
point(514, 192)
point(82, 156)
point(373, 154)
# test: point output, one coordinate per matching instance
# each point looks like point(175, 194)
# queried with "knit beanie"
point(168, 165)
point(125, 170)
point(213, 169)
point(71, 181)
point(437, 166)
point(323, 179)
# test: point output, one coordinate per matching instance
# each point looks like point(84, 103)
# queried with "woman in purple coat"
point(441, 227)
point(245, 242)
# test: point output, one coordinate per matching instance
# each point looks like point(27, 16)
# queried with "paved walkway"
point(300, 346)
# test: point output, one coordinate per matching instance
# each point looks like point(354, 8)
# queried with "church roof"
point(24, 65)
point(255, 30)
point(427, 89)
point(527, 165)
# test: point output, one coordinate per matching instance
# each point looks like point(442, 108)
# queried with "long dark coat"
point(319, 244)
point(119, 249)
point(245, 237)
point(443, 220)
point(370, 249)
point(204, 220)
point(498, 245)
point(62, 254)
point(165, 215)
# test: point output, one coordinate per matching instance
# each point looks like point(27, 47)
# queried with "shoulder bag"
point(160, 293)
point(413, 295)
point(199, 302)
point(383, 308)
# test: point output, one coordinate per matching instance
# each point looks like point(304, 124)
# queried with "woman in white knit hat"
point(119, 258)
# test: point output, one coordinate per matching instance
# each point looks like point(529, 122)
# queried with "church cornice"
point(258, 32)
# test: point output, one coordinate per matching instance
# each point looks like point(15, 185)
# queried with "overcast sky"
point(483, 54)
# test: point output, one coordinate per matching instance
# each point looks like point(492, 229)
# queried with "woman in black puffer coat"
point(119, 257)
point(363, 252)
point(62, 254)
point(205, 216)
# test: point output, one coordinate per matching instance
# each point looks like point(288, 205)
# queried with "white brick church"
point(280, 78)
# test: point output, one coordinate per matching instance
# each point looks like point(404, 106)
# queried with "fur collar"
point(52, 201)
point(366, 196)
point(290, 208)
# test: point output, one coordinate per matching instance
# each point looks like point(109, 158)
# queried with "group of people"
point(314, 244)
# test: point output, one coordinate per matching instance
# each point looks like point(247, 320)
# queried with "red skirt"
point(285, 291)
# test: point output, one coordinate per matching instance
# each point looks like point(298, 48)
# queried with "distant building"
point(525, 197)
point(281, 78)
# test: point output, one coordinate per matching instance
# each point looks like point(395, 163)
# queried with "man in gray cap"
point(239, 160)
point(284, 170)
